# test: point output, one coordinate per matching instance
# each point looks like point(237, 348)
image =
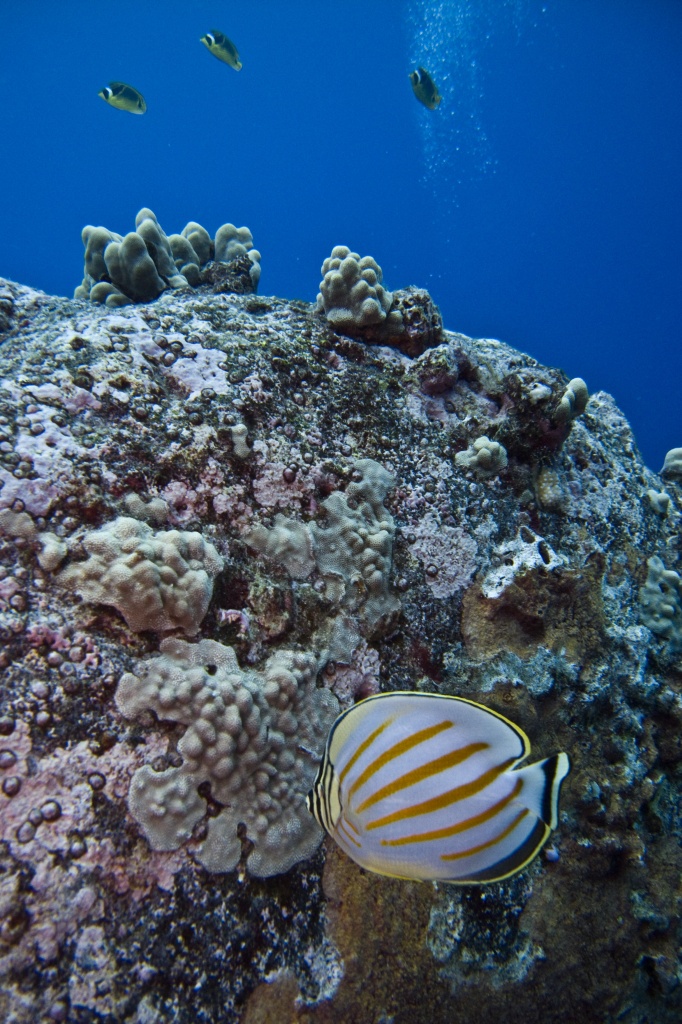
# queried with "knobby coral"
point(158, 581)
point(141, 265)
point(254, 737)
point(352, 553)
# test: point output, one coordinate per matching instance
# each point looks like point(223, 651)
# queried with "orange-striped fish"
point(415, 785)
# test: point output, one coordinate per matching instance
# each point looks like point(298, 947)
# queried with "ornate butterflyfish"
point(425, 88)
point(422, 786)
point(123, 97)
point(223, 48)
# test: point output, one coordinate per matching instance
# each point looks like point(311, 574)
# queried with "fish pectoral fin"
point(542, 785)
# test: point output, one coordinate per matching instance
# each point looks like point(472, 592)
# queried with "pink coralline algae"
point(191, 502)
point(200, 369)
point(272, 489)
point(357, 680)
point(447, 553)
point(51, 824)
point(47, 446)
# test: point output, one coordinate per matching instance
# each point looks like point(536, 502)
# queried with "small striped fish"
point(416, 785)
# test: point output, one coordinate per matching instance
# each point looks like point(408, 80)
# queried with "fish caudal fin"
point(542, 785)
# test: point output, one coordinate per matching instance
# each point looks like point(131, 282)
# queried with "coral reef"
point(351, 293)
point(253, 737)
point(660, 601)
point(356, 304)
point(158, 581)
point(144, 263)
point(672, 464)
point(154, 747)
point(485, 457)
point(573, 402)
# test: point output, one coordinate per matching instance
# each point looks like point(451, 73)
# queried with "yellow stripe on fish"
point(461, 826)
point(424, 771)
point(363, 747)
point(397, 750)
point(417, 785)
point(489, 842)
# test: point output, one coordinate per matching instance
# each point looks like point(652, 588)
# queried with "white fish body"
point(422, 786)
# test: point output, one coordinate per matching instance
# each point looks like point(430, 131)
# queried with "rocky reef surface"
point(220, 521)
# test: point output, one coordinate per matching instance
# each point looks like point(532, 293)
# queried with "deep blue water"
point(540, 203)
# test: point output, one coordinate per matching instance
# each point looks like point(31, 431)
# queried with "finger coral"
point(573, 401)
